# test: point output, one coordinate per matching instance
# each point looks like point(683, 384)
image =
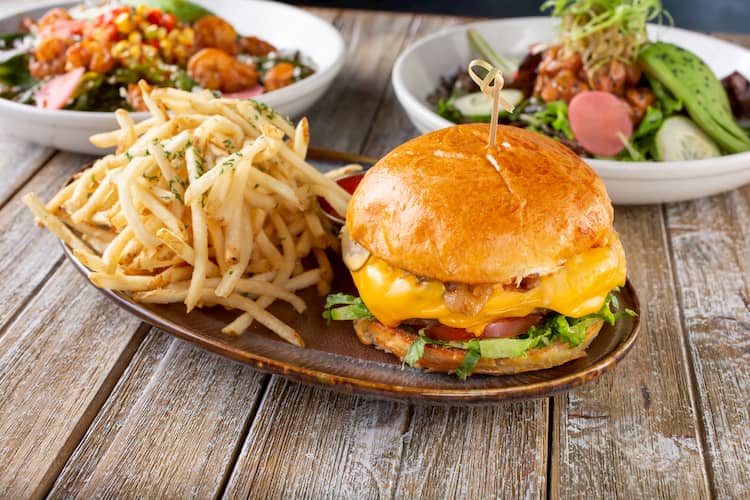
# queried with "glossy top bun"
point(448, 207)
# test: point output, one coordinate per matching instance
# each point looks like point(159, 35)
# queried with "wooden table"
point(93, 402)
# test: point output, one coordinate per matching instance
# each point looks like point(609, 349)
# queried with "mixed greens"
point(556, 327)
point(667, 103)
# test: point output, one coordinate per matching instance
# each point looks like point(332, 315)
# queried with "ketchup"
point(349, 183)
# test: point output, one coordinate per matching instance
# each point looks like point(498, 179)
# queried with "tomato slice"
point(448, 333)
point(498, 329)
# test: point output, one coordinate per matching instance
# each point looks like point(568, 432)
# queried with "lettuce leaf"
point(642, 145)
point(415, 352)
point(340, 306)
point(473, 354)
point(14, 71)
point(555, 115)
point(447, 110)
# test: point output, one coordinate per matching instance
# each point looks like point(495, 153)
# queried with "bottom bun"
point(447, 359)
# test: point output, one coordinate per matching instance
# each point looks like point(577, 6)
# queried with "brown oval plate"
point(334, 357)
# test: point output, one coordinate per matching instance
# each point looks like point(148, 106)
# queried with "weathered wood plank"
point(329, 428)
point(711, 248)
point(344, 115)
point(311, 443)
point(633, 434)
point(58, 362)
point(391, 126)
point(170, 429)
point(19, 237)
point(19, 161)
point(492, 452)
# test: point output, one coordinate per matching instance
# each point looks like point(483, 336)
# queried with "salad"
point(92, 58)
point(605, 90)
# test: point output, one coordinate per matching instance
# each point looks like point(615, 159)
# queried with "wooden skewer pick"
point(491, 85)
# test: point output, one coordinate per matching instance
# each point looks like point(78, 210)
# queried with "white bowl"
point(284, 26)
point(419, 68)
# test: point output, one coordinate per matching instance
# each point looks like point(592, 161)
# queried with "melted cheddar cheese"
point(578, 288)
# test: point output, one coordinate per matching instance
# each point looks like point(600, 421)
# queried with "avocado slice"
point(690, 80)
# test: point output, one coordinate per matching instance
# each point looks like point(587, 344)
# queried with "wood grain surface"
point(637, 422)
point(58, 362)
point(711, 246)
point(174, 401)
point(95, 404)
point(18, 163)
point(19, 237)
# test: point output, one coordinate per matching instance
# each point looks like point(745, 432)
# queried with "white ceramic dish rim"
point(290, 93)
point(606, 168)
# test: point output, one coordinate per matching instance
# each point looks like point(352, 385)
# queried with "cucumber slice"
point(479, 105)
point(679, 138)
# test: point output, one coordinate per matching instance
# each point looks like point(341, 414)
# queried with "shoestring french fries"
point(208, 202)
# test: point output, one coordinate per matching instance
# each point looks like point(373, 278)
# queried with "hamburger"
point(471, 258)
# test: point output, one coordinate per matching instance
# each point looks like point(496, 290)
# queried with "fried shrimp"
point(255, 46)
point(216, 70)
point(90, 55)
point(49, 58)
point(279, 76)
point(52, 17)
point(214, 32)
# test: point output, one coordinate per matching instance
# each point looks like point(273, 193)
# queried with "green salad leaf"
point(554, 114)
point(484, 50)
point(340, 306)
point(8, 40)
point(183, 10)
point(416, 351)
point(642, 145)
point(473, 354)
point(14, 71)
point(447, 110)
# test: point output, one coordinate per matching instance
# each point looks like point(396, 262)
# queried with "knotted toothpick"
point(491, 85)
